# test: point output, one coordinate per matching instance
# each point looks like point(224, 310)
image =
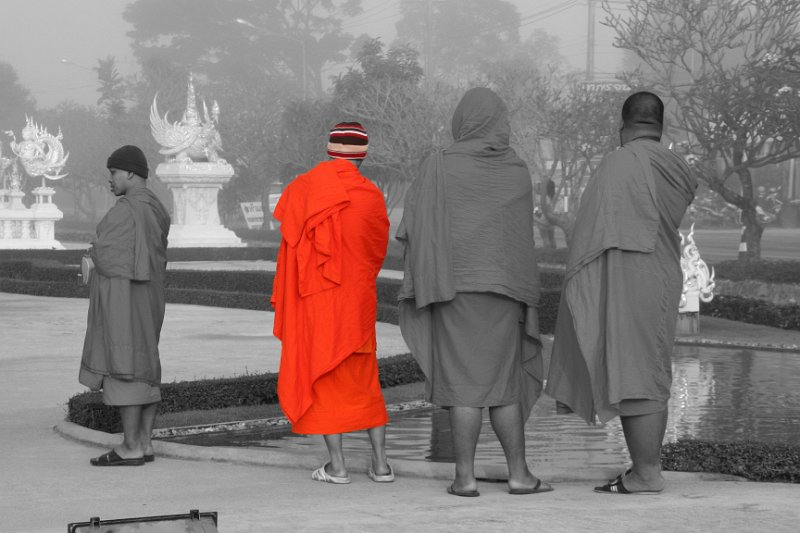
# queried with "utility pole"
point(428, 65)
point(590, 42)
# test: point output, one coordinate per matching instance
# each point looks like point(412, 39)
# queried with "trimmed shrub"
point(768, 271)
point(73, 257)
point(753, 311)
point(756, 461)
point(87, 408)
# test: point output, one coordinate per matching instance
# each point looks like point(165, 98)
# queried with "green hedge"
point(753, 311)
point(87, 408)
point(73, 257)
point(786, 272)
point(752, 460)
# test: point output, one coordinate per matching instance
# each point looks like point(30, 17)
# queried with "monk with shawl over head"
point(126, 307)
point(335, 231)
point(617, 316)
point(471, 287)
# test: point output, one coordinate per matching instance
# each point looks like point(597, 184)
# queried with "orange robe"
point(335, 232)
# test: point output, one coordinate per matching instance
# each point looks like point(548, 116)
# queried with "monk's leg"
point(644, 435)
point(510, 430)
point(377, 437)
point(131, 447)
point(146, 424)
point(334, 444)
point(465, 423)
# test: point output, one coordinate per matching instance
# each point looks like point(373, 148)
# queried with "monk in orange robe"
point(335, 231)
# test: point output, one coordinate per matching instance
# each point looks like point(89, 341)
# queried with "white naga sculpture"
point(40, 153)
point(698, 283)
point(191, 138)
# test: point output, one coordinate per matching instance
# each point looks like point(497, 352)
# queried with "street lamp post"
point(302, 42)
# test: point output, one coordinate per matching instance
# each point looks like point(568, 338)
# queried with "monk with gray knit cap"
point(617, 316)
point(126, 307)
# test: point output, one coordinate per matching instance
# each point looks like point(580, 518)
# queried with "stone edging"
point(716, 343)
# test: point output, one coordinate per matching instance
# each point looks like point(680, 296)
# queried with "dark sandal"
point(615, 486)
point(463, 493)
point(112, 458)
point(532, 490)
point(149, 457)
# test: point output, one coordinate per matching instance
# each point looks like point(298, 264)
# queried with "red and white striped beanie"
point(348, 140)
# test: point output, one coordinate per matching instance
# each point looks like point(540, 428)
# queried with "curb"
point(312, 459)
point(716, 343)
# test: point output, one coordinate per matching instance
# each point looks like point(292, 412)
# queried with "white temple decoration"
point(194, 173)
point(191, 139)
point(40, 152)
point(698, 282)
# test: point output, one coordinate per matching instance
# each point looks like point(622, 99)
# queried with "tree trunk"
point(750, 246)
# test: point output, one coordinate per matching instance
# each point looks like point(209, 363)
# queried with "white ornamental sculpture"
point(698, 284)
point(41, 155)
point(190, 139)
point(194, 173)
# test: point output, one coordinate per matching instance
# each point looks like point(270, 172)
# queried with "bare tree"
point(561, 127)
point(730, 70)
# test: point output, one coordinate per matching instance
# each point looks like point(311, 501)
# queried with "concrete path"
point(46, 481)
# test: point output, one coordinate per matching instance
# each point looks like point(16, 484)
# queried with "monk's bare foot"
point(381, 469)
point(465, 485)
point(527, 485)
point(635, 482)
point(337, 472)
point(127, 453)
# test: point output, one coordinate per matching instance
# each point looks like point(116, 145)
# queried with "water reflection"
point(717, 394)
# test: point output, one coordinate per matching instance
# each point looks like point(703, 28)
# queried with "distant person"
point(334, 231)
point(617, 317)
point(126, 307)
point(471, 287)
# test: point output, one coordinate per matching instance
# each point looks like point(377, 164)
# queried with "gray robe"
point(468, 227)
point(616, 320)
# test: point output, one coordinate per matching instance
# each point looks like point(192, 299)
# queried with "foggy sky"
point(37, 34)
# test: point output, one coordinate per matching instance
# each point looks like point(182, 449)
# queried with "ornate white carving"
point(698, 282)
point(190, 139)
point(41, 153)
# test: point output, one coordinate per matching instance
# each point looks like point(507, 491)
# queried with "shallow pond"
point(717, 394)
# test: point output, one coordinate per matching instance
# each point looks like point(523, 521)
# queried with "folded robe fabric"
point(468, 227)
point(126, 292)
point(335, 232)
point(616, 323)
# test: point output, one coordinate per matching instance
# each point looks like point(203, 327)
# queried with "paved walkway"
point(46, 481)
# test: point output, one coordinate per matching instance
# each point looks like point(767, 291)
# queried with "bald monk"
point(616, 321)
point(126, 307)
point(335, 231)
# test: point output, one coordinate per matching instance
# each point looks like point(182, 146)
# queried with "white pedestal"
point(689, 315)
point(195, 217)
point(30, 229)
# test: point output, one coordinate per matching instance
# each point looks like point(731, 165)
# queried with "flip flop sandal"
point(463, 493)
point(615, 486)
point(321, 475)
point(534, 490)
point(381, 478)
point(149, 457)
point(113, 459)
point(620, 476)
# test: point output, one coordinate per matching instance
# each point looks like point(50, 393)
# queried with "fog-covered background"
point(283, 71)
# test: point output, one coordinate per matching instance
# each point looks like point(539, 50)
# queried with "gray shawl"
point(468, 227)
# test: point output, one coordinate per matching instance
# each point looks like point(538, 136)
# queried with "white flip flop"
point(321, 475)
point(382, 478)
